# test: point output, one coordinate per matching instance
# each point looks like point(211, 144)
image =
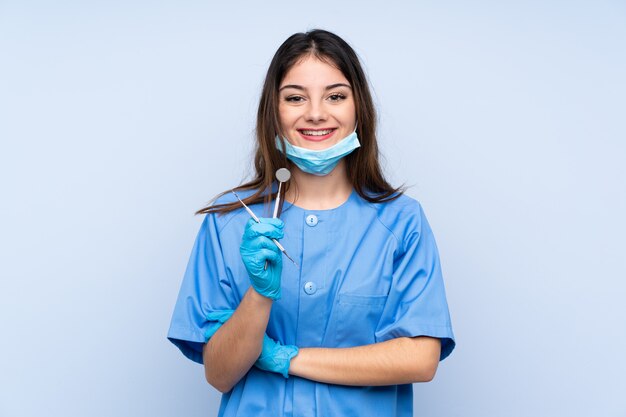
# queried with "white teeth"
point(316, 132)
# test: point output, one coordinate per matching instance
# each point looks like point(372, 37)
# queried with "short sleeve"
point(205, 289)
point(416, 304)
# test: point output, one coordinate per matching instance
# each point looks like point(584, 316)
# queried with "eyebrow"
point(299, 87)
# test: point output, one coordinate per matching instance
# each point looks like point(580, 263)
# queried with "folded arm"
point(397, 361)
point(236, 345)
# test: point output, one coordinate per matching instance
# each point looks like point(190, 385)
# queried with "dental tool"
point(282, 175)
point(256, 219)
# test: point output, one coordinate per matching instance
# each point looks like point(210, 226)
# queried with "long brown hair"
point(362, 165)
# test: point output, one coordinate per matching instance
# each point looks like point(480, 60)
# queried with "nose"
point(315, 112)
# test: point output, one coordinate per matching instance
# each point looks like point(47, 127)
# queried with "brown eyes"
point(299, 99)
point(336, 97)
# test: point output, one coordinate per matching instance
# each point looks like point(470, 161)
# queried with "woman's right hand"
point(257, 249)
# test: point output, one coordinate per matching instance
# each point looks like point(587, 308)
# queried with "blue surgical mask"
point(320, 162)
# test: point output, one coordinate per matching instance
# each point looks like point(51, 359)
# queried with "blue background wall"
point(119, 119)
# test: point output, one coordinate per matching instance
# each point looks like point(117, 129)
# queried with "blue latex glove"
point(220, 318)
point(276, 357)
point(256, 249)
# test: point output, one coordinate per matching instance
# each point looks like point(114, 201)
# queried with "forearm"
point(234, 348)
point(397, 361)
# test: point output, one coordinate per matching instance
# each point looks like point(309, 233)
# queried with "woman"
point(363, 314)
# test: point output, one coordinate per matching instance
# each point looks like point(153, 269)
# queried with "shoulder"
point(403, 204)
point(403, 216)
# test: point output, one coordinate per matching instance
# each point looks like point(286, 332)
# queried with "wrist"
point(271, 294)
point(259, 299)
point(296, 362)
point(292, 352)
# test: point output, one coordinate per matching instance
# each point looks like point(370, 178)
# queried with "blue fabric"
point(218, 318)
point(376, 275)
point(319, 162)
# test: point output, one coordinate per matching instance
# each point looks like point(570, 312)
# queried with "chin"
point(318, 146)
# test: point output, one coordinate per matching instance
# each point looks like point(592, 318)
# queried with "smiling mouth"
point(321, 132)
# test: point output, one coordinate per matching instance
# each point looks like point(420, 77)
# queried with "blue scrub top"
point(368, 273)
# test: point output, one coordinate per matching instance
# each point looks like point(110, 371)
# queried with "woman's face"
point(316, 105)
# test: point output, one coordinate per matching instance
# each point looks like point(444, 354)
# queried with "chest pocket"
point(357, 318)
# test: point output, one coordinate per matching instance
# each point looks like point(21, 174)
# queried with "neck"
point(319, 192)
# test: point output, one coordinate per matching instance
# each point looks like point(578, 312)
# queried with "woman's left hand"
point(276, 357)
